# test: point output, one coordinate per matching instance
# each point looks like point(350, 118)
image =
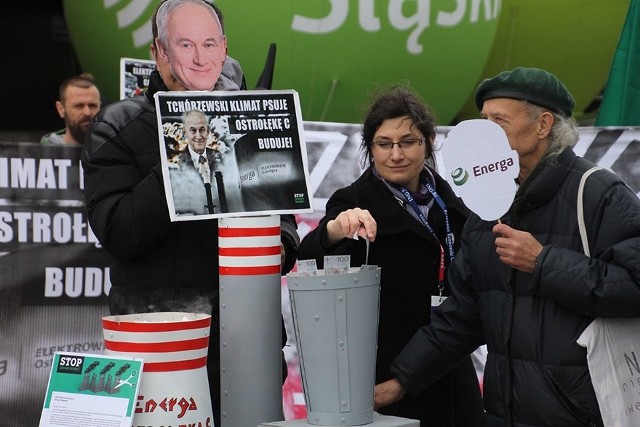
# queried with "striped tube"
point(249, 246)
point(250, 320)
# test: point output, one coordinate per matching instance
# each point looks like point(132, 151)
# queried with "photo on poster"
point(134, 76)
point(230, 154)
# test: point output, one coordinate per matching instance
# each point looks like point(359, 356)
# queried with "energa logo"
point(460, 176)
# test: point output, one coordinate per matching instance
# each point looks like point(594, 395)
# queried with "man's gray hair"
point(195, 112)
point(169, 6)
point(564, 131)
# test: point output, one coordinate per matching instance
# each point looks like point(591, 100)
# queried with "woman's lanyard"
point(423, 219)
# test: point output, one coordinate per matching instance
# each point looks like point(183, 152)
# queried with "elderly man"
point(524, 286)
point(159, 265)
point(196, 130)
point(201, 183)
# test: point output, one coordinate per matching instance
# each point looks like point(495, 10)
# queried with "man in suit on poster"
point(198, 156)
point(197, 164)
point(208, 163)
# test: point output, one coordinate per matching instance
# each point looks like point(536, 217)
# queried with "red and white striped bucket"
point(174, 389)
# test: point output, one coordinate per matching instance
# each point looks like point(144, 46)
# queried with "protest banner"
point(55, 276)
point(232, 153)
point(134, 76)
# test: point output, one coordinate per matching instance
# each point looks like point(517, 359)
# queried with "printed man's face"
point(196, 47)
point(197, 131)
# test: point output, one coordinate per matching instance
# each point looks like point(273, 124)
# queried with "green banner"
point(621, 101)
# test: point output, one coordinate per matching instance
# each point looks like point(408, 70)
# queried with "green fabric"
point(621, 101)
point(533, 85)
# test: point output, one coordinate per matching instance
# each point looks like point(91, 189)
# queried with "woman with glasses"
point(411, 219)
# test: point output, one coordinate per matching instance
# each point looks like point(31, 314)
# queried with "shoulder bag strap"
point(580, 208)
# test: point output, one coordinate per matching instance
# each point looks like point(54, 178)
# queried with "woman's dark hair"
point(390, 103)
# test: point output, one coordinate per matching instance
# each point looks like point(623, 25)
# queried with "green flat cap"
point(528, 84)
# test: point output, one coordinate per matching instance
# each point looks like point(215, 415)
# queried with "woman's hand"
point(352, 223)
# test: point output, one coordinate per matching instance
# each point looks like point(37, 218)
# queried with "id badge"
point(436, 300)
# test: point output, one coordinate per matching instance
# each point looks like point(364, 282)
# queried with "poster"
point(232, 153)
point(134, 76)
point(86, 389)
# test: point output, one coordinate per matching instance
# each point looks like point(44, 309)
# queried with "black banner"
point(54, 276)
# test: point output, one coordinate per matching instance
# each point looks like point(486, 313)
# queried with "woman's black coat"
point(409, 256)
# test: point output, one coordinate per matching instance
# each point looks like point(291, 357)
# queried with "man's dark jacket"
point(536, 374)
point(158, 265)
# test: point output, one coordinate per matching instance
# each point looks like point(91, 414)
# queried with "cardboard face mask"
point(481, 167)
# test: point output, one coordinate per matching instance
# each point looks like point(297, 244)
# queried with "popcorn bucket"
point(336, 326)
point(174, 389)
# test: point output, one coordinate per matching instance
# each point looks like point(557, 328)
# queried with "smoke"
point(107, 368)
point(122, 369)
point(198, 305)
point(91, 367)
